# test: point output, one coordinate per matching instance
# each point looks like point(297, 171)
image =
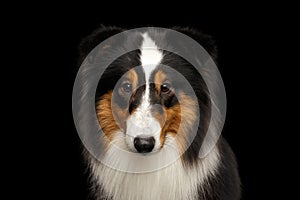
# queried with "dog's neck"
point(174, 181)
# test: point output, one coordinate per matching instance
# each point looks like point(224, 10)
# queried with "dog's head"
point(151, 97)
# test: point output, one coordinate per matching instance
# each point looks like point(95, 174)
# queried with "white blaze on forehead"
point(142, 123)
point(150, 58)
point(150, 55)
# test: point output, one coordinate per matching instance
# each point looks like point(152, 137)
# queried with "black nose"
point(144, 144)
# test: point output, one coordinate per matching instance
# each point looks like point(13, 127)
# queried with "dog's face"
point(155, 113)
point(148, 96)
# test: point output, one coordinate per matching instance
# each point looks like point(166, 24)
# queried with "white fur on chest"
point(169, 183)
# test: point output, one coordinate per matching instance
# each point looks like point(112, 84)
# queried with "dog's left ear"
point(206, 41)
point(98, 36)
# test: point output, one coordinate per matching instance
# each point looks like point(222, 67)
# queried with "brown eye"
point(126, 87)
point(165, 88)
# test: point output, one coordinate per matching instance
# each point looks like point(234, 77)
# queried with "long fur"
point(214, 177)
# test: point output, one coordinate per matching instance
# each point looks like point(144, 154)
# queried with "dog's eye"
point(165, 88)
point(126, 87)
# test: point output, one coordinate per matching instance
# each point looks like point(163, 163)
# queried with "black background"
point(47, 39)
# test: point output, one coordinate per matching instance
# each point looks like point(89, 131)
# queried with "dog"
point(148, 103)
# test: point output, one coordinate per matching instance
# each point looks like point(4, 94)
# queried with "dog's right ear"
point(98, 36)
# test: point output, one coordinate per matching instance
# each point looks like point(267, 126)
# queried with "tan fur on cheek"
point(189, 110)
point(110, 116)
point(173, 119)
point(110, 120)
point(180, 118)
point(170, 119)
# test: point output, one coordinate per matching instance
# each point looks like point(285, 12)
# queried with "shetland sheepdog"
point(148, 103)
